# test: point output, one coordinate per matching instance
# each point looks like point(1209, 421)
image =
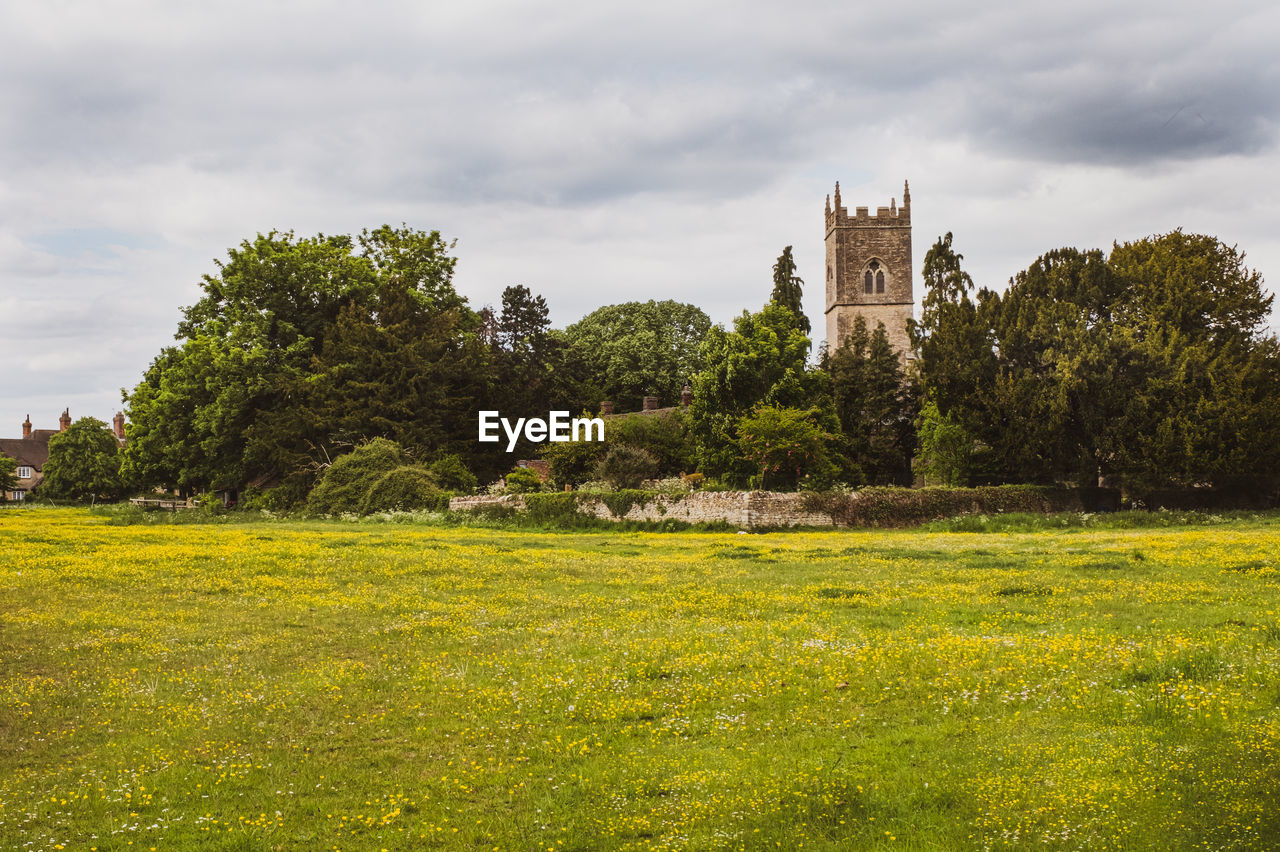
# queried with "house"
point(31, 451)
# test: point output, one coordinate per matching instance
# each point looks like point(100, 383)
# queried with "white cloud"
point(595, 154)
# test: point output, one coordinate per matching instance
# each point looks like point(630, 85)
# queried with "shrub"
point(522, 480)
point(625, 466)
point(573, 462)
point(403, 489)
point(664, 436)
point(452, 475)
point(347, 481)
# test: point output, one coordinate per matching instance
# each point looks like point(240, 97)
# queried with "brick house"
point(31, 451)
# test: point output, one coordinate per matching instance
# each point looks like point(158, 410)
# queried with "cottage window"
point(24, 472)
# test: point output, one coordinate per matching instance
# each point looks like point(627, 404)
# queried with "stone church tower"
point(869, 270)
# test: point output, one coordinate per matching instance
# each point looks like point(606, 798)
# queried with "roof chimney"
point(650, 403)
point(606, 408)
point(26, 428)
point(64, 422)
point(117, 425)
point(686, 396)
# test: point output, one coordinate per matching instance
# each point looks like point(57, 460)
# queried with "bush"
point(452, 475)
point(665, 437)
point(573, 462)
point(522, 480)
point(625, 467)
point(347, 481)
point(403, 489)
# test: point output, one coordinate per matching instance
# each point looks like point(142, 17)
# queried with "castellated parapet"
point(869, 270)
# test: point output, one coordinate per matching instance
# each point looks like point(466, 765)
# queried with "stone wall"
point(872, 507)
point(748, 509)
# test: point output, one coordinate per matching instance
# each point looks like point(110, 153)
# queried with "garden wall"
point(871, 507)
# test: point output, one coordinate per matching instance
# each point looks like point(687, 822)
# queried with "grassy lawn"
point(351, 686)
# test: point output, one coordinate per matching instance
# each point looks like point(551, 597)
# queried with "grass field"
point(345, 686)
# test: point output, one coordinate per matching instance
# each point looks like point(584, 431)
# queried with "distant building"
point(31, 451)
point(869, 270)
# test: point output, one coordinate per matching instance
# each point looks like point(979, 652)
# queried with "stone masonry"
point(869, 270)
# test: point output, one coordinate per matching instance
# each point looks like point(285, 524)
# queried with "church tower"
point(869, 270)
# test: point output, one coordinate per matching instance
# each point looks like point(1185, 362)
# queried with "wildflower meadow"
point(284, 685)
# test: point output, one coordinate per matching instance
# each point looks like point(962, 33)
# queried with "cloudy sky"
point(595, 152)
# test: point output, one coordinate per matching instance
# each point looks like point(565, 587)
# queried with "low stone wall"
point(872, 507)
point(741, 508)
point(747, 509)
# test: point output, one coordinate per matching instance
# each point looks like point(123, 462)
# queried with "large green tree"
point(256, 388)
point(762, 361)
point(638, 349)
point(83, 463)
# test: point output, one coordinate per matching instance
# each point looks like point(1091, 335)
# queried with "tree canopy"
point(83, 463)
point(639, 349)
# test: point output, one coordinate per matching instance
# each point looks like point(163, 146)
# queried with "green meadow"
point(299, 686)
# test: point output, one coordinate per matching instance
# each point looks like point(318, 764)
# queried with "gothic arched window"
point(874, 279)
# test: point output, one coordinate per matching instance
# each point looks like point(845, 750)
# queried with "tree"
point(764, 360)
point(638, 349)
point(8, 477)
point(84, 463)
point(788, 288)
point(876, 405)
point(788, 447)
point(956, 358)
point(300, 348)
point(946, 448)
point(1150, 367)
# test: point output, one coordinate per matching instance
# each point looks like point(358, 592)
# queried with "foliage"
point(574, 462)
point(1149, 367)
point(8, 477)
point(451, 474)
point(762, 361)
point(301, 347)
point(876, 405)
point(523, 480)
point(345, 484)
point(84, 463)
point(946, 449)
point(626, 466)
point(403, 489)
point(788, 289)
point(664, 436)
point(788, 446)
point(639, 349)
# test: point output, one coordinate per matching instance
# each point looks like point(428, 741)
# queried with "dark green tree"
point(788, 288)
point(84, 463)
point(876, 405)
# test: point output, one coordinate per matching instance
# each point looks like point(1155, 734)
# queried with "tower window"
point(875, 278)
